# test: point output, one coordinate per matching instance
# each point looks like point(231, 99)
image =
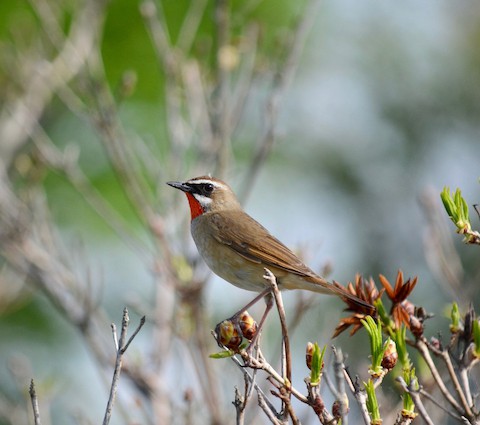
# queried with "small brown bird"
point(237, 248)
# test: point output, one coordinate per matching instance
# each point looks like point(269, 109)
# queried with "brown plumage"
point(238, 248)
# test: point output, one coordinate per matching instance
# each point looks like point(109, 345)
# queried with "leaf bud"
point(390, 355)
point(247, 325)
point(228, 335)
point(309, 354)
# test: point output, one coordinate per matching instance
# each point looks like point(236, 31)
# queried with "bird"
point(238, 248)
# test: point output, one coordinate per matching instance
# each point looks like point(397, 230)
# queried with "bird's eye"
point(208, 188)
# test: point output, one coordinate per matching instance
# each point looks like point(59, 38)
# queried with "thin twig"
point(19, 118)
point(439, 404)
point(34, 399)
point(241, 401)
point(423, 349)
point(456, 384)
point(360, 396)
point(265, 366)
point(246, 75)
point(269, 276)
point(50, 22)
point(114, 335)
point(251, 379)
point(140, 325)
point(281, 82)
point(267, 409)
point(240, 404)
point(67, 164)
point(416, 399)
point(190, 25)
point(315, 400)
point(463, 372)
point(121, 346)
point(341, 396)
point(170, 64)
point(114, 140)
point(221, 104)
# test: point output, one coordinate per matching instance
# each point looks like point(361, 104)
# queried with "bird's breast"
point(224, 261)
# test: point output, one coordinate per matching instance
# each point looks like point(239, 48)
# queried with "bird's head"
point(207, 194)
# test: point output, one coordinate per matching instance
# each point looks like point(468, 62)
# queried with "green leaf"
point(222, 354)
point(400, 341)
point(409, 378)
point(465, 213)
point(317, 364)
point(457, 209)
point(448, 203)
point(377, 348)
point(455, 318)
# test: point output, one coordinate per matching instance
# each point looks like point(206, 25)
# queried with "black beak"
point(179, 185)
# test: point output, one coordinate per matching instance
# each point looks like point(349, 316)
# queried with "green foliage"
point(377, 349)
point(317, 364)
point(225, 354)
point(372, 403)
point(457, 209)
point(455, 318)
point(412, 382)
point(400, 340)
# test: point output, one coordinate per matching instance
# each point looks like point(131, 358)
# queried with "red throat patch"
point(195, 207)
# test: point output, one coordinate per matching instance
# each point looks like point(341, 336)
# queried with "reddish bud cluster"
point(228, 335)
point(230, 332)
point(248, 326)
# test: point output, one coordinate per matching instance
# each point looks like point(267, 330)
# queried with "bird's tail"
point(321, 285)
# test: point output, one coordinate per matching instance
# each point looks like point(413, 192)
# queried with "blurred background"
point(338, 123)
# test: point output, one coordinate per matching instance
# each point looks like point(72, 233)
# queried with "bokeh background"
point(380, 113)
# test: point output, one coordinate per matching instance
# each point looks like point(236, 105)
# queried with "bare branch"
point(115, 336)
point(360, 396)
point(267, 409)
point(439, 404)
point(190, 25)
point(18, 120)
point(34, 399)
point(120, 346)
point(416, 399)
point(423, 349)
point(456, 384)
point(270, 277)
point(263, 365)
point(340, 395)
point(140, 325)
point(281, 83)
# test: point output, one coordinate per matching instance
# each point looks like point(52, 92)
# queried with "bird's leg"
point(268, 306)
point(261, 295)
point(242, 324)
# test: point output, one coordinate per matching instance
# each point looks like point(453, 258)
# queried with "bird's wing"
point(252, 241)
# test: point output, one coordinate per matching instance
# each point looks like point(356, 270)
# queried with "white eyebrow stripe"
point(205, 181)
